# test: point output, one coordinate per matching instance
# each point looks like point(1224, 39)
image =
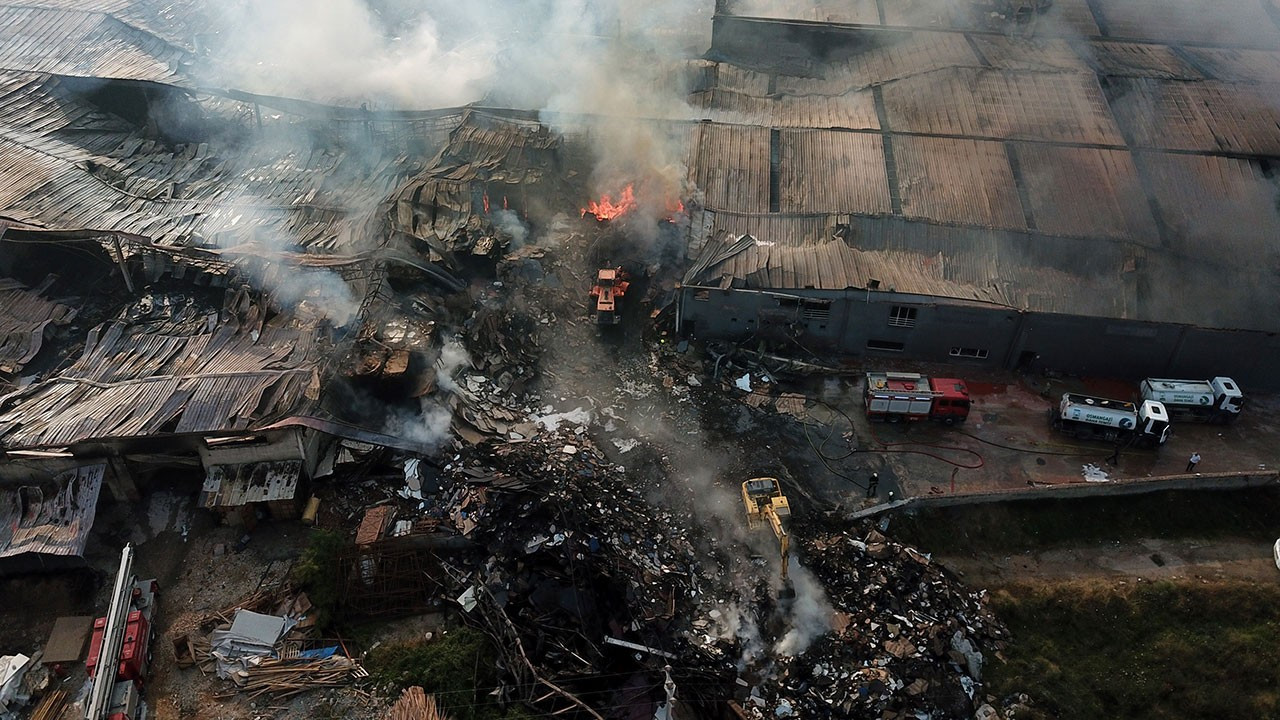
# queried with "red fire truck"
point(135, 653)
point(911, 396)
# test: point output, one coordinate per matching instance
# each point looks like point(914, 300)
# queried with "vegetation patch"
point(459, 668)
point(1185, 649)
point(316, 572)
point(1037, 524)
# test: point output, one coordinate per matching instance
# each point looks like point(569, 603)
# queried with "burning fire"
point(606, 209)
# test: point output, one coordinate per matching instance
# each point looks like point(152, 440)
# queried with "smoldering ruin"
point(506, 305)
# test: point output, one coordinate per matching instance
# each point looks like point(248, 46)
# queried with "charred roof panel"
point(1240, 22)
point(902, 55)
point(1220, 209)
point(1208, 116)
point(854, 110)
point(731, 165)
point(1260, 66)
point(825, 171)
point(1085, 192)
point(1003, 105)
point(957, 181)
point(1038, 54)
point(1128, 59)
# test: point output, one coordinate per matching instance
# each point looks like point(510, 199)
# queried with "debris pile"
point(909, 639)
point(415, 704)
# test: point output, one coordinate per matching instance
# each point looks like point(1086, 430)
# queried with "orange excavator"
point(611, 285)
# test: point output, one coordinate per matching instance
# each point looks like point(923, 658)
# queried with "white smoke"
point(732, 623)
point(430, 425)
point(508, 222)
point(809, 615)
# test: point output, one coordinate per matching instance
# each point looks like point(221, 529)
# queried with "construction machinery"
point(766, 505)
point(611, 285)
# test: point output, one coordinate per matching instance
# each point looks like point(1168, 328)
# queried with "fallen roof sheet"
point(130, 383)
point(52, 517)
point(229, 486)
point(24, 315)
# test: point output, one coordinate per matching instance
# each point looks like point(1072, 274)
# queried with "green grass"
point(1146, 650)
point(458, 668)
point(1038, 524)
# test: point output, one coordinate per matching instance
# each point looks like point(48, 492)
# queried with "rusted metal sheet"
point(833, 172)
point(959, 181)
point(1004, 105)
point(1207, 116)
point(1085, 192)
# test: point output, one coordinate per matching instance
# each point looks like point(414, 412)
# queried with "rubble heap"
point(909, 638)
point(583, 568)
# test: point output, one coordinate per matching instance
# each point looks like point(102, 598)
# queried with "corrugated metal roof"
point(730, 164)
point(854, 110)
point(1002, 104)
point(902, 55)
point(130, 381)
point(840, 172)
point(957, 181)
point(52, 517)
point(1127, 59)
point(85, 44)
point(790, 230)
point(1208, 116)
point(1260, 66)
point(1086, 192)
point(1039, 54)
point(1220, 209)
point(1239, 22)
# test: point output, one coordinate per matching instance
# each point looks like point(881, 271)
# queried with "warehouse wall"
point(887, 325)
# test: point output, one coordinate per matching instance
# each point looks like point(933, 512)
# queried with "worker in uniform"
point(1193, 461)
point(874, 485)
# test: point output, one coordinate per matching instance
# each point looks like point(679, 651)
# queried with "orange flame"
point(607, 209)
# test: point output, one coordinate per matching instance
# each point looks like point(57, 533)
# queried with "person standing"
point(873, 486)
point(1193, 461)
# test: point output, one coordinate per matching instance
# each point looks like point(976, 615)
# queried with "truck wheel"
point(949, 420)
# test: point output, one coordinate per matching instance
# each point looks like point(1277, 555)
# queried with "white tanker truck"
point(1093, 418)
point(1215, 401)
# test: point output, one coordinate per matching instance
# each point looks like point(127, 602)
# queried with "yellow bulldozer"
point(765, 504)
